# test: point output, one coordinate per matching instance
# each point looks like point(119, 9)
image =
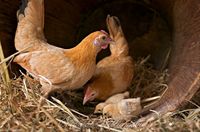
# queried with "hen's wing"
point(51, 65)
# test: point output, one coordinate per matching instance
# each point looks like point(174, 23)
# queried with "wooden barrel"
point(165, 26)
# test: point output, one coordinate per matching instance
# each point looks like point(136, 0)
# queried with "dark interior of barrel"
point(68, 22)
point(146, 30)
point(139, 21)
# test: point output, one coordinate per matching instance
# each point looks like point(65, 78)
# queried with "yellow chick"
point(124, 109)
point(113, 99)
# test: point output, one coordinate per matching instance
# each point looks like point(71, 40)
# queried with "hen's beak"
point(85, 100)
point(111, 41)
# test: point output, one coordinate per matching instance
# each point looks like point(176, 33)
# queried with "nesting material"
point(19, 107)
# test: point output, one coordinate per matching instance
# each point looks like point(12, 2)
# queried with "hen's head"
point(102, 39)
point(90, 94)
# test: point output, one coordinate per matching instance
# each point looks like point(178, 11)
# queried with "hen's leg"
point(45, 91)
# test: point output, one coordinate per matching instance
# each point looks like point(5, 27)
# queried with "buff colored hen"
point(114, 73)
point(56, 68)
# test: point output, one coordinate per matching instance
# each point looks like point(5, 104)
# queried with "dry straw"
point(20, 109)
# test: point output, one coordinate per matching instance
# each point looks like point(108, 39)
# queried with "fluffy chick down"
point(113, 99)
point(124, 109)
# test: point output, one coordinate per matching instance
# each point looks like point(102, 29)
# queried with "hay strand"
point(59, 117)
point(4, 69)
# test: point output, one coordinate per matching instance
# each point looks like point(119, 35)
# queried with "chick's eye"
point(105, 114)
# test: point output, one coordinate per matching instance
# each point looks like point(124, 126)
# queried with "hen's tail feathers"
point(22, 7)
point(116, 33)
point(30, 23)
point(113, 25)
point(32, 11)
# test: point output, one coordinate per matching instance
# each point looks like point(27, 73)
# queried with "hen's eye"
point(104, 37)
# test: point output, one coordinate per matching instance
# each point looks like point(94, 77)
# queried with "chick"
point(113, 99)
point(99, 107)
point(123, 110)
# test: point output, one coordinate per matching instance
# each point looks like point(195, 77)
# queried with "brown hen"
point(56, 68)
point(115, 72)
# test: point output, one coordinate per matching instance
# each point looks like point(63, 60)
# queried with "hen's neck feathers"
point(85, 51)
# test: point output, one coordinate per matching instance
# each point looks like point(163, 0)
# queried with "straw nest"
point(20, 109)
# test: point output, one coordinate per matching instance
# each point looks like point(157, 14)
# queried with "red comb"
point(103, 31)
